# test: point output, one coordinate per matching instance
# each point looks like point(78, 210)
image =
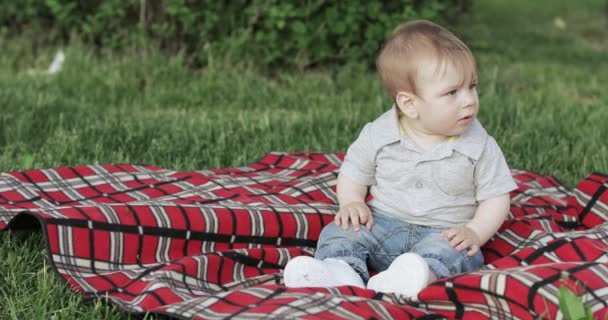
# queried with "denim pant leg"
point(379, 246)
point(444, 260)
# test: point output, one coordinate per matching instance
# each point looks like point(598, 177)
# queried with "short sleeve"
point(492, 175)
point(360, 161)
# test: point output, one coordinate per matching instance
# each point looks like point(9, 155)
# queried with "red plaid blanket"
point(211, 244)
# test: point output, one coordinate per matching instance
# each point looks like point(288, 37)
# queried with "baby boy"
point(440, 184)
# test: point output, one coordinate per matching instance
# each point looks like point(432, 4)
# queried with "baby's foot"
point(407, 275)
point(343, 273)
point(303, 271)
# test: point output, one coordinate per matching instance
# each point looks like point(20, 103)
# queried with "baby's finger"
point(370, 222)
point(343, 219)
point(364, 215)
point(449, 233)
point(463, 245)
point(473, 249)
point(354, 218)
point(338, 217)
point(456, 240)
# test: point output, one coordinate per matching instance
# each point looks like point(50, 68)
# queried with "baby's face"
point(447, 97)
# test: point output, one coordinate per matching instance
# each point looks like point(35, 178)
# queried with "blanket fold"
point(211, 244)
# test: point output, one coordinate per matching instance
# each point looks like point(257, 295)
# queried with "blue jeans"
point(388, 239)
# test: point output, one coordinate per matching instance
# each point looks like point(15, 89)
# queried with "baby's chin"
point(458, 131)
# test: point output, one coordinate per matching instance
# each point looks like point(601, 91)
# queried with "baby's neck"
point(423, 140)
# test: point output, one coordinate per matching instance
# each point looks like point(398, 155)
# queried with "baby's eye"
point(453, 92)
point(473, 85)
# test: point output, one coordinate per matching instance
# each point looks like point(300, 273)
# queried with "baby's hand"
point(357, 212)
point(463, 237)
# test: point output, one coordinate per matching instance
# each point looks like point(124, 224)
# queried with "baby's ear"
point(405, 103)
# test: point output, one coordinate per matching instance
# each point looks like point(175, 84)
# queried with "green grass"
point(542, 90)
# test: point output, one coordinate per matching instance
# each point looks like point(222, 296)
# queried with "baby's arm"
point(351, 198)
point(493, 182)
point(489, 216)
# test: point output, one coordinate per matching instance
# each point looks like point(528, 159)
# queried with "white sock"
point(407, 275)
point(304, 271)
point(343, 273)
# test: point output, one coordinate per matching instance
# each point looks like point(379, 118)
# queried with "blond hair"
point(413, 41)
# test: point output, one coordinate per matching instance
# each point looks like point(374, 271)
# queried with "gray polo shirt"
point(441, 187)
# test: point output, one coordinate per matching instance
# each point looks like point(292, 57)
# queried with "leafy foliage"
point(270, 32)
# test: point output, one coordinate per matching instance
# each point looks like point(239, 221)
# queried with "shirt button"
point(419, 185)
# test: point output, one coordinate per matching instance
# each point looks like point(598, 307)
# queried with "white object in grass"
point(57, 63)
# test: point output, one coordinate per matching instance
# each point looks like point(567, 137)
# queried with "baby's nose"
point(469, 99)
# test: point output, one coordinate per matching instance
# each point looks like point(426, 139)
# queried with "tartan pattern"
point(211, 244)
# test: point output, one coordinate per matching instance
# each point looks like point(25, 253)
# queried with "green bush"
point(273, 33)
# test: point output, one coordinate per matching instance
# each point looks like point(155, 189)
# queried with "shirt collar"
point(470, 143)
point(388, 127)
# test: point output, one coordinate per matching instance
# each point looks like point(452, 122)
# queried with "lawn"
point(542, 90)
